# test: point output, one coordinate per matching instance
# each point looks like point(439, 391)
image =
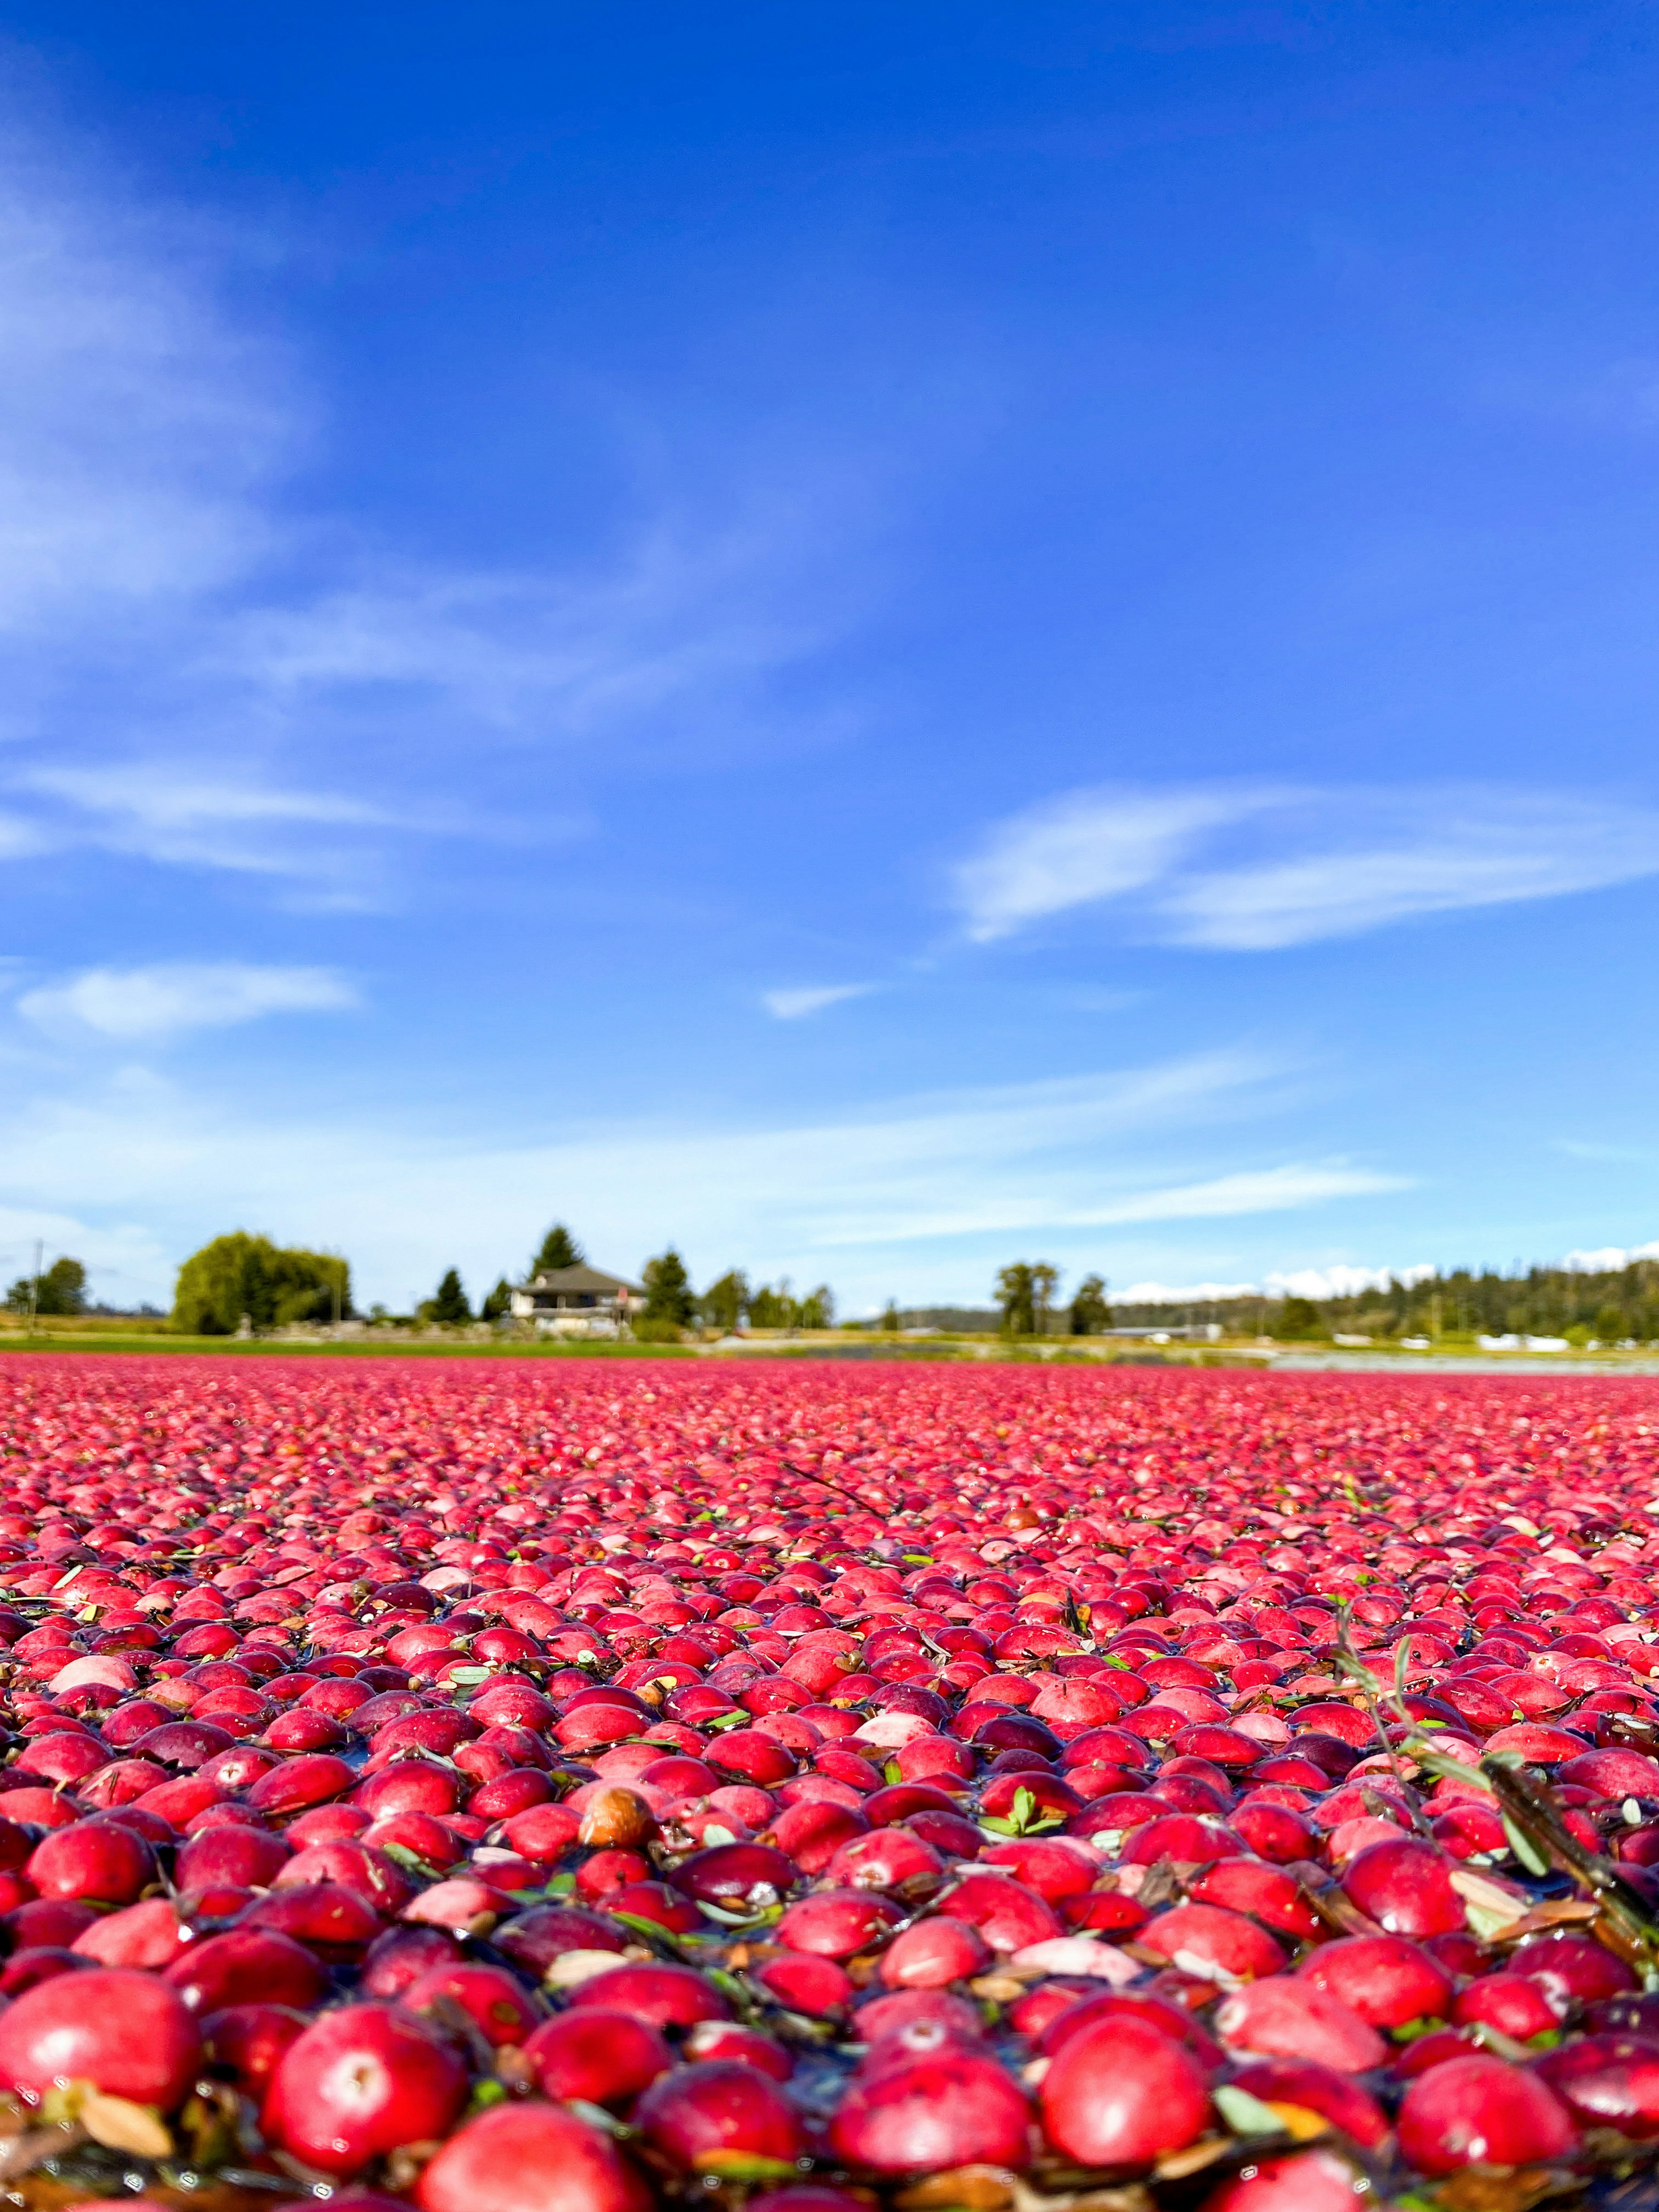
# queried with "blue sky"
point(872, 639)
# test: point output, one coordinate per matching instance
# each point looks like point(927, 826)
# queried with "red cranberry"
point(602, 2058)
point(360, 2082)
point(721, 2117)
point(1480, 2112)
point(1121, 2091)
point(126, 2032)
point(924, 2111)
point(530, 2158)
point(1384, 1978)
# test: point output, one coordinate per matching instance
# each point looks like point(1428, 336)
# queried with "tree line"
point(243, 1280)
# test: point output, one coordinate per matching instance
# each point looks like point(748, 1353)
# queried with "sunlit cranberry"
point(530, 2158)
point(126, 2032)
point(602, 2058)
point(1121, 2091)
point(720, 2118)
point(1480, 2112)
point(1384, 1978)
point(359, 2083)
point(919, 2111)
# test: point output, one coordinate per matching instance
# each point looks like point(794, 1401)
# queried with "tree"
point(891, 1319)
point(724, 1303)
point(449, 1306)
point(61, 1288)
point(1299, 1318)
point(1017, 1295)
point(1091, 1315)
point(817, 1309)
point(559, 1250)
point(273, 1285)
point(499, 1303)
point(668, 1291)
point(1045, 1281)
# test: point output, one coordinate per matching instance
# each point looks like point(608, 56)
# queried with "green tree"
point(817, 1309)
point(449, 1305)
point(273, 1285)
point(892, 1319)
point(1297, 1320)
point(61, 1289)
point(498, 1303)
point(724, 1303)
point(1017, 1295)
point(668, 1291)
point(1091, 1315)
point(559, 1250)
point(1045, 1281)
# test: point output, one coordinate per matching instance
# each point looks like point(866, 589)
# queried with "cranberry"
point(126, 2032)
point(1121, 2091)
point(1480, 2112)
point(530, 2158)
point(359, 2083)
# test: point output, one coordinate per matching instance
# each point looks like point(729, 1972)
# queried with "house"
point(576, 1302)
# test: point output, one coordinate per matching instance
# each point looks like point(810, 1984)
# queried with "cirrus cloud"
point(139, 1005)
point(1238, 869)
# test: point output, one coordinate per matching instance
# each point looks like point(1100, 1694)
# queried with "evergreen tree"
point(559, 1250)
point(449, 1306)
point(891, 1319)
point(499, 1303)
point(668, 1291)
point(1091, 1315)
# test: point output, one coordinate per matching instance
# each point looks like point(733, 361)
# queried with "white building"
point(580, 1301)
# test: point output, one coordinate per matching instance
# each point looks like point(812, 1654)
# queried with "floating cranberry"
point(127, 2034)
point(1121, 2091)
point(604, 2057)
point(361, 2082)
point(1480, 2112)
point(530, 2158)
point(922, 2111)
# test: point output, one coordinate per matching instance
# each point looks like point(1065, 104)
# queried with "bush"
point(654, 1329)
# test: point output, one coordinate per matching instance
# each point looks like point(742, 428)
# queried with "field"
point(583, 1787)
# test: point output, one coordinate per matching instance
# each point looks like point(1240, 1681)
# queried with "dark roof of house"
point(580, 1278)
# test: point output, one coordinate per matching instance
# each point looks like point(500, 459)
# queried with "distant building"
point(576, 1302)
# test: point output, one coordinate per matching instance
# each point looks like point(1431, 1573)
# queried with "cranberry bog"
point(595, 1789)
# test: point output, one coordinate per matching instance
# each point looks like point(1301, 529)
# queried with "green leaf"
point(470, 1675)
point(1024, 1805)
point(893, 1772)
point(723, 1721)
point(1245, 2114)
point(487, 2092)
point(1524, 1848)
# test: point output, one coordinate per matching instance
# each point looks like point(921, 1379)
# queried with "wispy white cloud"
point(794, 1004)
point(140, 1005)
point(780, 1199)
point(1236, 869)
point(188, 656)
point(1082, 848)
